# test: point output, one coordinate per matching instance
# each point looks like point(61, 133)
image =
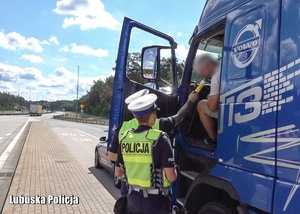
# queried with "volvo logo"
point(246, 44)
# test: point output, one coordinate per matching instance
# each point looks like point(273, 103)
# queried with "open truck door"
point(153, 68)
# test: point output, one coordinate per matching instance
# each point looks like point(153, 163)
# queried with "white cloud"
point(177, 34)
point(87, 14)
point(181, 52)
point(53, 39)
point(15, 41)
point(180, 34)
point(33, 58)
point(58, 85)
point(171, 33)
point(45, 42)
point(15, 73)
point(83, 49)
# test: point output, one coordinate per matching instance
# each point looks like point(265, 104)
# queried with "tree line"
point(12, 102)
point(98, 99)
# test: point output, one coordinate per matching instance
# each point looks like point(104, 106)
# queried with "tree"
point(98, 99)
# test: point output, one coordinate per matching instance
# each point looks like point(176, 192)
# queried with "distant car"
point(102, 161)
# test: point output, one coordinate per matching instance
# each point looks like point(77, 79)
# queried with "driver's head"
point(205, 65)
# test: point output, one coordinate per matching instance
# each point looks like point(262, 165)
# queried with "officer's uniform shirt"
point(162, 152)
point(166, 125)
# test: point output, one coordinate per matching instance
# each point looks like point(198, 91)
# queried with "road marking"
point(88, 134)
point(12, 144)
point(1, 138)
point(7, 134)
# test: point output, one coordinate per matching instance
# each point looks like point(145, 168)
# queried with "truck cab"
point(255, 165)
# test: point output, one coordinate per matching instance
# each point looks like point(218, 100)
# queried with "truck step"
point(180, 201)
point(190, 174)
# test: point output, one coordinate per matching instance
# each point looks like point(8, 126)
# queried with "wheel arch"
point(214, 189)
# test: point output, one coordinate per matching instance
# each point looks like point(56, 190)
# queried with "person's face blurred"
point(206, 69)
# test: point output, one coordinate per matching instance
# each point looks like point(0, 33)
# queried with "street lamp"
point(29, 95)
point(77, 91)
point(20, 83)
point(19, 88)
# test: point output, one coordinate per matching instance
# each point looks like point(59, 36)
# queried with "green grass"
point(83, 116)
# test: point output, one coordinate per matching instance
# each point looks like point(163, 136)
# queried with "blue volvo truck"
point(255, 166)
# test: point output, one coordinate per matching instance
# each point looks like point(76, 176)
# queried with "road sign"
point(81, 106)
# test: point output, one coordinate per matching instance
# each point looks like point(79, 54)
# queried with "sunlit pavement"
point(57, 159)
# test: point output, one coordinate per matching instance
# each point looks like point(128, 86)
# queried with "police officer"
point(166, 125)
point(146, 159)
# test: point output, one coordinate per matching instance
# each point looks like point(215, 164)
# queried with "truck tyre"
point(97, 160)
point(216, 208)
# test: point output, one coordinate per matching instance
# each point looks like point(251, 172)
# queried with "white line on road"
point(10, 147)
point(1, 138)
point(7, 134)
point(88, 134)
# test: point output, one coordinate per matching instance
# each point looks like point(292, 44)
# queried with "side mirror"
point(102, 139)
point(149, 62)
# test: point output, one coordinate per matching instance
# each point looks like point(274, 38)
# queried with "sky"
point(43, 42)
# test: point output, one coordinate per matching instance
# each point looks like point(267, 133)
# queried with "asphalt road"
point(80, 138)
point(13, 132)
point(9, 126)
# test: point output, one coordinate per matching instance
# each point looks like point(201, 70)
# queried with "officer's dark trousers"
point(124, 188)
point(157, 204)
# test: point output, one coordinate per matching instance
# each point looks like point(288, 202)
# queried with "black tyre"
point(117, 181)
point(216, 208)
point(97, 160)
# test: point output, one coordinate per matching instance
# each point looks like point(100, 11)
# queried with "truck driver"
point(208, 67)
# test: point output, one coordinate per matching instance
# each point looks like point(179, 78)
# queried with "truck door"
point(146, 59)
point(287, 192)
point(249, 102)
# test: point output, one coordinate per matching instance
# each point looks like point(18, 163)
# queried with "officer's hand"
point(193, 97)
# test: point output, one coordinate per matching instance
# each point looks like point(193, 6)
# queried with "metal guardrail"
point(81, 120)
point(24, 113)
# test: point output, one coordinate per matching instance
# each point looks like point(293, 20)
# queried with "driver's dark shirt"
point(166, 125)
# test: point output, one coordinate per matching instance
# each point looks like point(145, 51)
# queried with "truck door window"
point(212, 45)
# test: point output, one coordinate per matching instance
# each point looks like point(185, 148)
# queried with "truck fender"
point(217, 183)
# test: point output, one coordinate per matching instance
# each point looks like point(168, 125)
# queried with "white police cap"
point(136, 95)
point(143, 105)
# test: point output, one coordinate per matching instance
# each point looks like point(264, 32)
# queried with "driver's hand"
point(193, 97)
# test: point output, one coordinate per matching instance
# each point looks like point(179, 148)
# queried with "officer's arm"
point(171, 174)
point(119, 162)
point(119, 172)
point(168, 164)
point(186, 108)
point(114, 146)
point(112, 156)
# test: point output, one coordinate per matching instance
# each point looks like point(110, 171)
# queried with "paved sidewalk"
point(47, 167)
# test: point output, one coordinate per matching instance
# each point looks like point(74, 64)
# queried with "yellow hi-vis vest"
point(133, 124)
point(140, 171)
